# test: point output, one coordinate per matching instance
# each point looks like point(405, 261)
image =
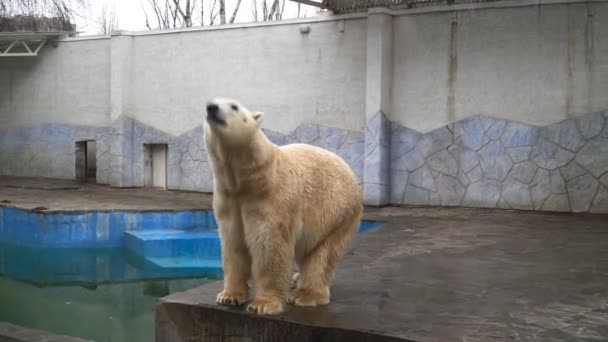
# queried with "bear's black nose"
point(212, 108)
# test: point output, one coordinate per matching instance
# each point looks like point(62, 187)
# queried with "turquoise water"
point(101, 295)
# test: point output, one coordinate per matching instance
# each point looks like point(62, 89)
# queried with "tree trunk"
point(222, 12)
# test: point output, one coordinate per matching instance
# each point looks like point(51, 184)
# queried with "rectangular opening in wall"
point(91, 161)
point(86, 161)
point(81, 161)
point(155, 166)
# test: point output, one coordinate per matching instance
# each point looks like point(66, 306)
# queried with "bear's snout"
point(214, 114)
point(212, 107)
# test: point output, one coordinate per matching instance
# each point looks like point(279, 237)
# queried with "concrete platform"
point(436, 275)
point(55, 195)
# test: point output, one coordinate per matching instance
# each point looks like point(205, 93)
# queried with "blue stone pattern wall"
point(48, 150)
point(486, 162)
point(475, 162)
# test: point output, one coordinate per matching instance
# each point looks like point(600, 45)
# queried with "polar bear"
point(275, 205)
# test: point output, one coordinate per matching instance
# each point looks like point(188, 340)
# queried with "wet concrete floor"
point(428, 274)
point(52, 195)
point(437, 275)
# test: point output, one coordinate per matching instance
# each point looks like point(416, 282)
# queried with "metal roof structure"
point(351, 6)
point(26, 44)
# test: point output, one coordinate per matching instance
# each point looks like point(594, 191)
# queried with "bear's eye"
point(235, 108)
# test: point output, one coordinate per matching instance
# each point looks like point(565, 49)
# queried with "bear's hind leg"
point(317, 267)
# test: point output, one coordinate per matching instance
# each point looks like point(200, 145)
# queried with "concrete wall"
point(65, 85)
point(490, 105)
point(537, 65)
point(294, 78)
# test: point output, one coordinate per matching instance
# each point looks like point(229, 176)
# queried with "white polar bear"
point(276, 204)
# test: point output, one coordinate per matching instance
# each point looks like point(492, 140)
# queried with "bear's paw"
point(231, 298)
point(266, 306)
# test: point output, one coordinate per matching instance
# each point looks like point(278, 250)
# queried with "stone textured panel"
point(565, 134)
point(475, 174)
point(466, 156)
point(572, 170)
point(581, 191)
point(305, 133)
point(558, 185)
point(403, 140)
point(519, 154)
point(590, 125)
point(540, 188)
point(518, 134)
point(502, 204)
point(398, 183)
point(600, 202)
point(594, 156)
point(556, 202)
point(469, 133)
point(380, 127)
point(376, 166)
point(416, 196)
point(409, 161)
point(331, 138)
point(517, 195)
point(495, 163)
point(434, 141)
point(374, 193)
point(496, 129)
point(462, 178)
point(523, 172)
point(450, 190)
point(467, 159)
point(443, 162)
point(377, 160)
point(483, 194)
point(604, 179)
point(550, 156)
point(422, 178)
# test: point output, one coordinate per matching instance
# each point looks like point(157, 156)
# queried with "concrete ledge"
point(178, 320)
point(14, 333)
point(479, 6)
point(434, 275)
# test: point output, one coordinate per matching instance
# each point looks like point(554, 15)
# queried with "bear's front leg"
point(272, 257)
point(235, 256)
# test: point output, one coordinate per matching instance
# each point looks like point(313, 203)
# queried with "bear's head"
point(230, 122)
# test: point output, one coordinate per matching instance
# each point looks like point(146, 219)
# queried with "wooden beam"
point(311, 3)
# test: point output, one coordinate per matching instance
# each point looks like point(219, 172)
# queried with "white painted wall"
point(69, 84)
point(535, 64)
point(292, 77)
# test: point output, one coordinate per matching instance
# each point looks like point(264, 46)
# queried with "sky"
point(131, 15)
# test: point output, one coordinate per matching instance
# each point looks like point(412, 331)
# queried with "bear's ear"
point(258, 117)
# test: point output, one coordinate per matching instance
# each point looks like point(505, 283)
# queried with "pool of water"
point(49, 281)
point(96, 294)
point(106, 312)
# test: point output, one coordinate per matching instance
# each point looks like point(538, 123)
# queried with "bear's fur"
point(273, 205)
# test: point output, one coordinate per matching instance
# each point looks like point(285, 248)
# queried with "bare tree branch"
point(212, 15)
point(275, 3)
point(254, 10)
point(41, 12)
point(236, 9)
point(107, 21)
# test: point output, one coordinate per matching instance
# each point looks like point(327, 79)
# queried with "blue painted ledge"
point(107, 229)
point(91, 229)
